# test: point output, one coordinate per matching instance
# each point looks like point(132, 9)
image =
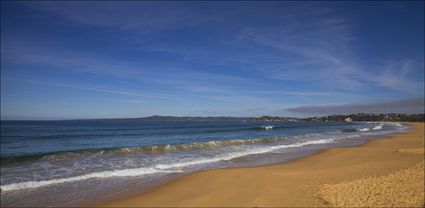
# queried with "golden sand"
point(413, 150)
point(399, 189)
point(385, 172)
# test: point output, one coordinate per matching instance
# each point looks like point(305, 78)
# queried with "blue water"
point(42, 137)
point(39, 157)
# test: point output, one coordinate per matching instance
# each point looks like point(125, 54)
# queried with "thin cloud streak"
point(298, 93)
point(192, 81)
point(78, 87)
point(324, 54)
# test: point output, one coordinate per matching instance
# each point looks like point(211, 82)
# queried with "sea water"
point(67, 163)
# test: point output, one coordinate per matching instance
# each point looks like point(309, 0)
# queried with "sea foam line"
point(160, 168)
point(102, 174)
point(378, 127)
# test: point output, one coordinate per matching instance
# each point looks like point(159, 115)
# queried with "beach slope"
point(384, 172)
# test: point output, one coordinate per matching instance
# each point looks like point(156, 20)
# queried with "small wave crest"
point(199, 145)
point(378, 127)
point(397, 124)
point(364, 129)
point(149, 150)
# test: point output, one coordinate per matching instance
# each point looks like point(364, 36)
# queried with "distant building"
point(348, 119)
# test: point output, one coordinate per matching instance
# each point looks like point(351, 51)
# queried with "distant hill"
point(190, 118)
point(340, 118)
point(174, 118)
point(274, 119)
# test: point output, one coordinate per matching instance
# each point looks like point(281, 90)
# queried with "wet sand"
point(384, 172)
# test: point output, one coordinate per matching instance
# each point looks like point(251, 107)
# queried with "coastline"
point(306, 181)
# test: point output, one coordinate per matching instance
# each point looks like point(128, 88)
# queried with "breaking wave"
point(153, 149)
point(159, 168)
point(161, 149)
point(102, 174)
point(364, 129)
point(378, 127)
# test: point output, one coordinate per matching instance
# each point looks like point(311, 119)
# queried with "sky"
point(115, 59)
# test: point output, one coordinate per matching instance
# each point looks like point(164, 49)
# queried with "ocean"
point(66, 163)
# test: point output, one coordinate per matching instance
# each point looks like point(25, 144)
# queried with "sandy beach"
point(383, 172)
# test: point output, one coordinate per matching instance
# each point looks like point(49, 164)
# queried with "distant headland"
point(328, 118)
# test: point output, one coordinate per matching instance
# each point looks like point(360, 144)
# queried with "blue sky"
point(112, 59)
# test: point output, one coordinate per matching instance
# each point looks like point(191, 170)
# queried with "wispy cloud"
point(164, 74)
point(194, 83)
point(314, 45)
point(135, 25)
point(87, 88)
point(209, 57)
point(320, 50)
point(298, 93)
point(400, 106)
point(396, 75)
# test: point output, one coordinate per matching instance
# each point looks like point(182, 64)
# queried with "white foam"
point(364, 129)
point(102, 174)
point(378, 127)
point(398, 124)
point(230, 156)
point(394, 124)
point(185, 164)
point(267, 127)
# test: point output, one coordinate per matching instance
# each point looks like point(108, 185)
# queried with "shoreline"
point(298, 182)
